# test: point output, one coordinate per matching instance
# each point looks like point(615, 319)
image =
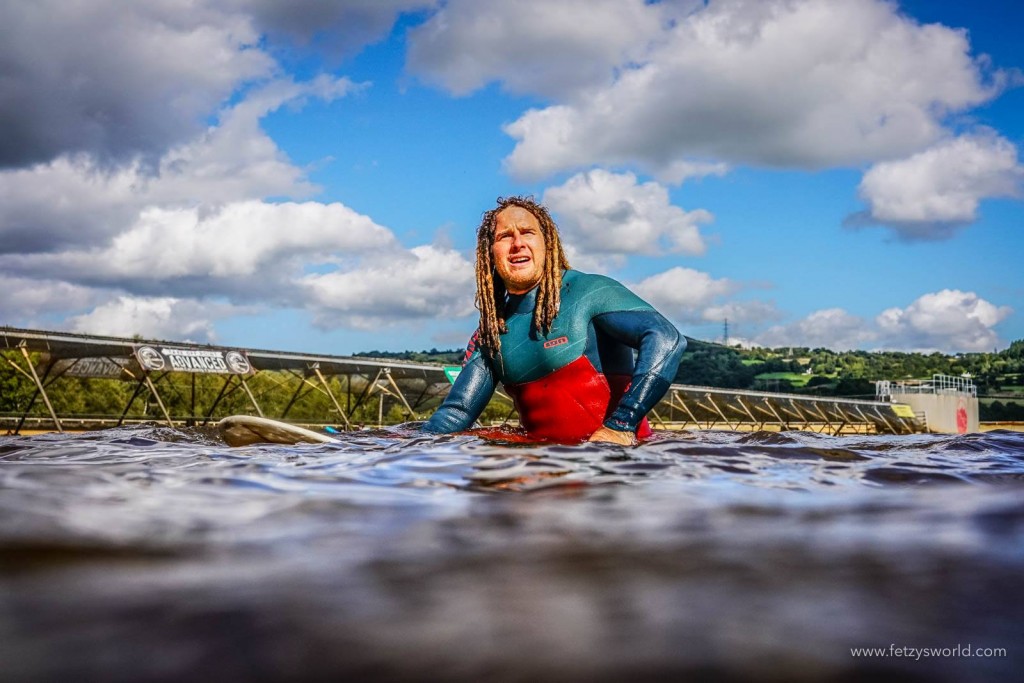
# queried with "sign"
point(902, 410)
point(452, 372)
point(100, 367)
point(205, 361)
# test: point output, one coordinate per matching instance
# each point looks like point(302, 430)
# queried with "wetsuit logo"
point(556, 342)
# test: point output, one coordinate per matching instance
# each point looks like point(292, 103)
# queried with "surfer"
point(560, 341)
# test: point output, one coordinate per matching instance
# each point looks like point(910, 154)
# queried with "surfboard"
point(243, 430)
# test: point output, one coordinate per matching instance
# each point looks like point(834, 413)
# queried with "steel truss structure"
point(712, 408)
point(358, 380)
point(412, 385)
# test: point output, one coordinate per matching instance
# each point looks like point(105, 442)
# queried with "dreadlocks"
point(490, 290)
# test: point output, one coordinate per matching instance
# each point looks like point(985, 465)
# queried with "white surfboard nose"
point(244, 430)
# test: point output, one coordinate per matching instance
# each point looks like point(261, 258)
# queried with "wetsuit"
point(580, 375)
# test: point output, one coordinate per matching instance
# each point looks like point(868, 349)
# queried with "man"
point(561, 341)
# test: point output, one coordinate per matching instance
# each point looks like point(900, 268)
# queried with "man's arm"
point(466, 400)
point(659, 348)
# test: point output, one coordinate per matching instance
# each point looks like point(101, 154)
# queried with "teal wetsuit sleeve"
point(468, 397)
point(659, 348)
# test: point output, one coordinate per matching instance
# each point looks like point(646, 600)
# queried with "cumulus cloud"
point(832, 328)
point(339, 28)
point(782, 83)
point(246, 249)
point(74, 200)
point(949, 321)
point(118, 197)
point(929, 194)
point(744, 312)
point(603, 213)
point(692, 297)
point(530, 46)
point(156, 241)
point(28, 299)
point(71, 200)
point(162, 69)
point(236, 159)
point(152, 318)
point(683, 293)
point(425, 282)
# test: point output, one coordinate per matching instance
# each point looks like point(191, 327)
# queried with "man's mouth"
point(519, 259)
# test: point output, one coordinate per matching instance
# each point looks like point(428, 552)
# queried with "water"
point(151, 554)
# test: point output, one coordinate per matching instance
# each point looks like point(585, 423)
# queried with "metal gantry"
point(61, 355)
point(415, 386)
point(696, 407)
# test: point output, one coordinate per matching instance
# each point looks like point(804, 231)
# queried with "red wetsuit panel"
point(571, 403)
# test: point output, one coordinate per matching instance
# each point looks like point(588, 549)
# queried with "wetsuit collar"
point(521, 303)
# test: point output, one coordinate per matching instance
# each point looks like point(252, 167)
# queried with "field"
point(795, 378)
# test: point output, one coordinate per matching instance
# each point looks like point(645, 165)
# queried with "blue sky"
point(308, 176)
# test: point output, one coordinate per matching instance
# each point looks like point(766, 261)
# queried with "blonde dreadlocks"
point(490, 290)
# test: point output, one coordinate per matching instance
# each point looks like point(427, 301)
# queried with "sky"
point(309, 175)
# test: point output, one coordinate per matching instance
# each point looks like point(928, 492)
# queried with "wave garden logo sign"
point(193, 360)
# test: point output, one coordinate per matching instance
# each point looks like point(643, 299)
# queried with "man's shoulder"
point(581, 279)
point(600, 292)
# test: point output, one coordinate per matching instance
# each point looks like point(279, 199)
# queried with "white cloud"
point(425, 282)
point(683, 293)
point(156, 243)
point(693, 297)
point(236, 159)
point(25, 299)
point(152, 318)
point(742, 312)
point(71, 200)
point(162, 68)
point(612, 214)
point(189, 230)
point(680, 170)
point(832, 328)
point(74, 200)
point(118, 81)
point(530, 46)
point(930, 193)
point(743, 343)
point(248, 248)
point(784, 83)
point(949, 320)
point(117, 197)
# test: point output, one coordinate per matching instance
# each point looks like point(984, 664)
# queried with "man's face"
point(518, 249)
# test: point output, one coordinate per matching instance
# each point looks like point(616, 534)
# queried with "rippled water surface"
point(154, 554)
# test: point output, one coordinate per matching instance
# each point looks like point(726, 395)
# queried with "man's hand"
point(613, 436)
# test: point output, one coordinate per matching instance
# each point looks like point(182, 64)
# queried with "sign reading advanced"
point(99, 367)
point(171, 359)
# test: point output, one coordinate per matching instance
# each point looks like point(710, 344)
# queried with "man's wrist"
point(619, 425)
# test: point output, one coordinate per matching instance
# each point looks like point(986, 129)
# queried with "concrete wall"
point(948, 413)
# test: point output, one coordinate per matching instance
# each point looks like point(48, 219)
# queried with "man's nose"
point(517, 240)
